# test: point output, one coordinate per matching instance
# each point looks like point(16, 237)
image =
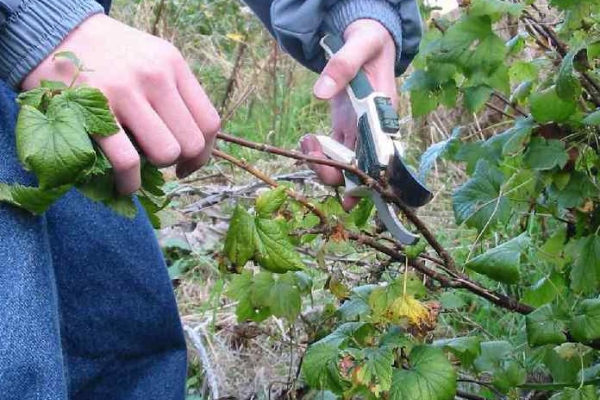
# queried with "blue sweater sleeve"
point(31, 29)
point(298, 25)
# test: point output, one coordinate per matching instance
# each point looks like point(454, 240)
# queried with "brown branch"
point(157, 17)
point(290, 192)
point(241, 48)
point(468, 396)
point(366, 179)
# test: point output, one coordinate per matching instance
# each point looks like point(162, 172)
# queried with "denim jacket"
point(31, 29)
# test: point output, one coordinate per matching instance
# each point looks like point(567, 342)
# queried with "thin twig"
point(260, 175)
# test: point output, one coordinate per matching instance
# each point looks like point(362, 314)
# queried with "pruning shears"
point(379, 151)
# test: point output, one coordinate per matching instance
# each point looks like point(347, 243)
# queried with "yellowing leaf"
point(410, 308)
point(238, 37)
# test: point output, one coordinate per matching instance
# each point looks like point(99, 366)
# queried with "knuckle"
point(151, 75)
point(213, 122)
point(343, 67)
point(126, 162)
point(167, 155)
point(194, 148)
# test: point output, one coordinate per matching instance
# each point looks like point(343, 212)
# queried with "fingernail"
point(306, 144)
point(325, 88)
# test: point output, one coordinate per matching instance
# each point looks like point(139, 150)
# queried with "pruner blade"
point(387, 214)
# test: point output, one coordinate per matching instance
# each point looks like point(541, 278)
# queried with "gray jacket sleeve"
point(298, 25)
point(31, 29)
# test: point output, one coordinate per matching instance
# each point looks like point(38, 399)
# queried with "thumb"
point(344, 65)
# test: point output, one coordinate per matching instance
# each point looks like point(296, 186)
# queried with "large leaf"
point(269, 202)
point(466, 348)
point(436, 151)
point(478, 202)
point(502, 263)
point(92, 107)
point(585, 271)
point(593, 118)
point(543, 327)
point(239, 241)
point(589, 392)
point(547, 106)
point(585, 325)
point(495, 8)
point(430, 377)
point(495, 359)
point(32, 199)
point(376, 368)
point(54, 146)
point(274, 251)
point(320, 367)
point(568, 86)
point(545, 154)
point(284, 298)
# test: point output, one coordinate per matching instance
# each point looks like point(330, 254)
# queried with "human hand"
point(150, 89)
point(368, 45)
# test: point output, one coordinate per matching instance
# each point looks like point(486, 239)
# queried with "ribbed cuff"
point(34, 30)
point(345, 12)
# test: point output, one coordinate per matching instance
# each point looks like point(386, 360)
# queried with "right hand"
point(151, 90)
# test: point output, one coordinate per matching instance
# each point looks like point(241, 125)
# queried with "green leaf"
point(476, 97)
point(123, 205)
point(495, 359)
point(377, 368)
point(423, 102)
point(502, 263)
point(478, 201)
point(32, 97)
point(437, 150)
point(270, 201)
point(274, 251)
point(516, 137)
point(466, 348)
point(593, 118)
point(585, 325)
point(33, 199)
point(496, 9)
point(260, 291)
point(589, 392)
point(284, 297)
point(69, 55)
point(54, 146)
point(92, 106)
point(546, 290)
point(568, 86)
point(585, 272)
point(543, 327)
point(320, 367)
point(545, 154)
point(547, 106)
point(240, 238)
point(358, 303)
point(429, 377)
point(361, 214)
point(152, 179)
point(578, 188)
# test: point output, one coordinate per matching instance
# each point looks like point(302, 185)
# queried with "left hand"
point(368, 45)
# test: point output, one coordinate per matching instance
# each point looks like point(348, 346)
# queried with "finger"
point(349, 202)
point(125, 161)
point(345, 64)
point(202, 110)
point(175, 114)
point(150, 132)
point(328, 175)
point(343, 120)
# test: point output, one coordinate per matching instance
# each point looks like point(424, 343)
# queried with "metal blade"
point(392, 223)
point(405, 184)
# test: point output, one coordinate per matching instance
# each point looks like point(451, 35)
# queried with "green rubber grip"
point(360, 85)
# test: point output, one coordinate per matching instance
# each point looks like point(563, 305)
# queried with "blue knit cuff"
point(34, 30)
point(344, 12)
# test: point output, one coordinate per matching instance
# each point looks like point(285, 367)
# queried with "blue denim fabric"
point(87, 310)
